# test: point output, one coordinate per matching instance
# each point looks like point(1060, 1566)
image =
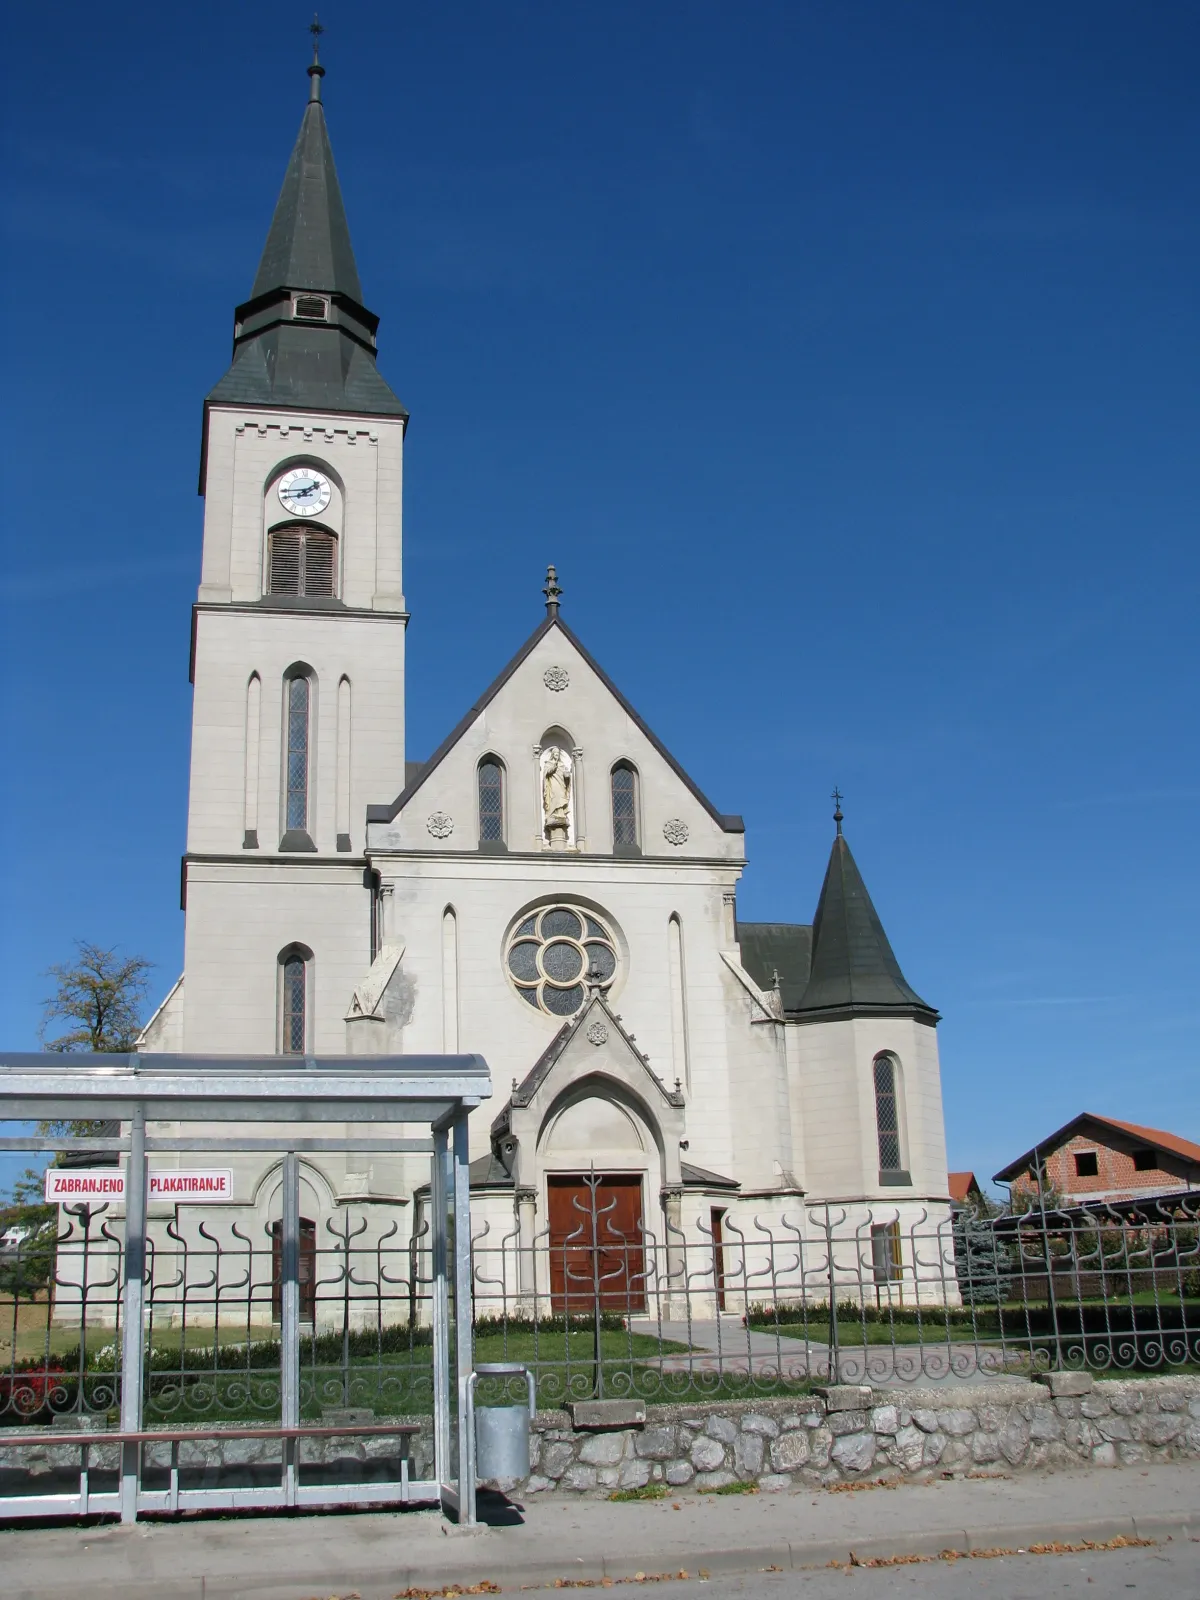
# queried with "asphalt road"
point(1167, 1571)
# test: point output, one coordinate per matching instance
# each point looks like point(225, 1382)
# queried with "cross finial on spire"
point(836, 797)
point(316, 72)
point(552, 591)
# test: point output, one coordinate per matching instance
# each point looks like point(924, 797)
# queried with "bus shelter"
point(220, 1363)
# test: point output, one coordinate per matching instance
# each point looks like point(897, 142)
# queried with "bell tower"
point(297, 632)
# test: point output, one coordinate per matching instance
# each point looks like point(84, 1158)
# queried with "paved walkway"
point(376, 1555)
point(729, 1346)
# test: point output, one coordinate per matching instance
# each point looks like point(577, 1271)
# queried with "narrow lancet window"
point(491, 801)
point(624, 807)
point(295, 983)
point(887, 1116)
point(297, 753)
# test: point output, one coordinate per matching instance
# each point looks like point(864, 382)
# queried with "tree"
point(101, 994)
point(982, 1262)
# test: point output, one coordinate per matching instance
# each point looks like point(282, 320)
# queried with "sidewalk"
point(376, 1555)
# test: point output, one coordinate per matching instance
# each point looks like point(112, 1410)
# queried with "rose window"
point(554, 953)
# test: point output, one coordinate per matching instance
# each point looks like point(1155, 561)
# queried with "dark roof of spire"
point(283, 353)
point(309, 246)
point(854, 972)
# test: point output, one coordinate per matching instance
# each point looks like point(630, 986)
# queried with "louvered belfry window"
point(887, 1117)
point(303, 561)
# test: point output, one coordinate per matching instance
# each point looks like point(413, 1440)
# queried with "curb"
point(463, 1566)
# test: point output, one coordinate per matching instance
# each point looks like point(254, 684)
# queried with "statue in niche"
point(556, 797)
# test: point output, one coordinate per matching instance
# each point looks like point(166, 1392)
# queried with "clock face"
point(304, 491)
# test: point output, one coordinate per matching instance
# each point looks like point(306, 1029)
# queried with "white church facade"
point(549, 888)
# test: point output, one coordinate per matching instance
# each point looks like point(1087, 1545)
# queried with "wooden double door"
point(597, 1244)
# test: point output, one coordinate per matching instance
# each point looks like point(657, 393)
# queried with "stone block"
point(840, 1422)
point(748, 1455)
point(1116, 1429)
point(556, 1458)
point(766, 1426)
point(1044, 1423)
point(707, 1454)
point(1063, 1385)
point(1081, 1435)
point(595, 1416)
point(907, 1448)
point(1194, 1408)
point(790, 1451)
point(820, 1443)
point(603, 1449)
point(1014, 1438)
point(885, 1419)
point(607, 1477)
point(1125, 1399)
point(1104, 1455)
point(714, 1480)
point(985, 1447)
point(1067, 1405)
point(721, 1428)
point(774, 1482)
point(925, 1420)
point(635, 1475)
point(656, 1443)
point(854, 1452)
point(957, 1423)
point(1094, 1405)
point(680, 1472)
point(537, 1484)
point(579, 1477)
point(845, 1396)
point(1133, 1454)
point(1191, 1439)
point(991, 1418)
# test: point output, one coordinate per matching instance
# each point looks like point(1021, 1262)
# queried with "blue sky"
point(842, 357)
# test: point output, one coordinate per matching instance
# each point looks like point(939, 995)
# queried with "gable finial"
point(836, 797)
point(316, 71)
point(552, 591)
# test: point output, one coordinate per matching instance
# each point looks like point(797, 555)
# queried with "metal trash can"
point(502, 1432)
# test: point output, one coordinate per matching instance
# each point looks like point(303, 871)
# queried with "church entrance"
point(597, 1247)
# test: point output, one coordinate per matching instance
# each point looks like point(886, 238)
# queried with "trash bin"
point(502, 1432)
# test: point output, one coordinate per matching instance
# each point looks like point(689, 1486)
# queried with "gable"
point(553, 687)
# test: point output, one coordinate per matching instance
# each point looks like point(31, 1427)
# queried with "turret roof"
point(854, 972)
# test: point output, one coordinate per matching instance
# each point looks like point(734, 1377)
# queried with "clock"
point(304, 491)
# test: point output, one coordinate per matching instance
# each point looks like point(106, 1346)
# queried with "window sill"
point(895, 1180)
point(492, 847)
point(297, 839)
point(629, 850)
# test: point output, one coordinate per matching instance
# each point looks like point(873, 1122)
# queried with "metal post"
point(132, 1310)
point(464, 1348)
point(290, 1317)
point(440, 1309)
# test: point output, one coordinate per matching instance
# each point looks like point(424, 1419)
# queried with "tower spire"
point(552, 591)
point(836, 797)
point(316, 71)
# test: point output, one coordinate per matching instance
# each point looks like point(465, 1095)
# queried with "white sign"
point(208, 1187)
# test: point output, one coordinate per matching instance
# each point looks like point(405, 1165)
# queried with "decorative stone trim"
point(440, 825)
point(675, 831)
point(556, 678)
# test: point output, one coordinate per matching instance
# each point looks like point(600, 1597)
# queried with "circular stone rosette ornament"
point(597, 1034)
point(675, 831)
point(440, 825)
point(556, 678)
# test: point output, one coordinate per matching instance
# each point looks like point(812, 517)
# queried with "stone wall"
point(847, 1434)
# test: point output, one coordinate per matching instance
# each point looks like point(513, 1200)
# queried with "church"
point(549, 887)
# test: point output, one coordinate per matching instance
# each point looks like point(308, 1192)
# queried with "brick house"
point(1101, 1158)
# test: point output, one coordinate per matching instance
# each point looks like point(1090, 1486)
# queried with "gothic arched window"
point(298, 721)
point(491, 801)
point(624, 807)
point(293, 1002)
point(303, 561)
point(887, 1115)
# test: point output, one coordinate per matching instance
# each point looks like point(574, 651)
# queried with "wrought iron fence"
point(843, 1293)
point(597, 1308)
